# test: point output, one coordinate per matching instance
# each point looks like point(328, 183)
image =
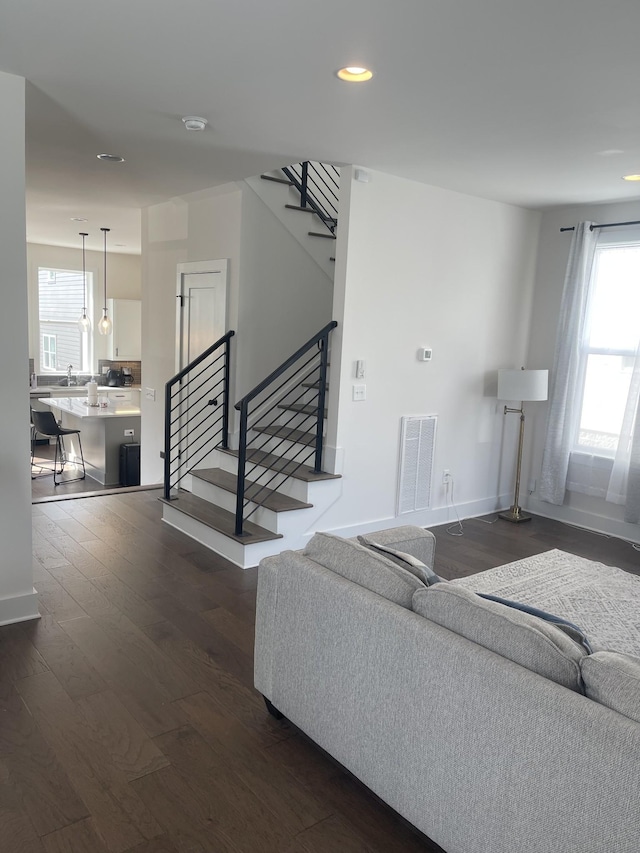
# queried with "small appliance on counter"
point(115, 379)
point(127, 376)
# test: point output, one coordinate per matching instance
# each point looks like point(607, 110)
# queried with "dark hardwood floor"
point(128, 720)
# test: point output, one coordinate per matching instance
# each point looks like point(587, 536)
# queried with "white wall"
point(17, 596)
point(553, 253)
point(285, 297)
point(277, 295)
point(198, 227)
point(421, 266)
point(124, 281)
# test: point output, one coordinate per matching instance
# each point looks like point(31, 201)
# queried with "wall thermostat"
point(425, 354)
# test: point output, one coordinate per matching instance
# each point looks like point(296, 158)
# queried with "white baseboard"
point(587, 520)
point(19, 608)
point(429, 517)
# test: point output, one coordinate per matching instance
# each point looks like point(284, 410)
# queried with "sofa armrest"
point(417, 541)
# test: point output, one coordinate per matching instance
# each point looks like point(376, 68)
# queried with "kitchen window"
point(61, 299)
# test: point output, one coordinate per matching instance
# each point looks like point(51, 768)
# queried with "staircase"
point(264, 495)
point(304, 197)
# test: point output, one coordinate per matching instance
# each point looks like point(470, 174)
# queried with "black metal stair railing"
point(196, 412)
point(318, 185)
point(287, 390)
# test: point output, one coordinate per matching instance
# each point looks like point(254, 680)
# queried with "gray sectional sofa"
point(487, 728)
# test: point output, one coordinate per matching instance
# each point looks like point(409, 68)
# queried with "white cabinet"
point(125, 341)
point(124, 395)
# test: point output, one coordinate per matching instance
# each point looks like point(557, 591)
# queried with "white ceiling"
point(513, 100)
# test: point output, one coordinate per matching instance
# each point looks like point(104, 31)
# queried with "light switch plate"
point(359, 392)
point(150, 393)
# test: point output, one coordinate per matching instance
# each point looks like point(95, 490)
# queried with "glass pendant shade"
point(105, 325)
point(84, 323)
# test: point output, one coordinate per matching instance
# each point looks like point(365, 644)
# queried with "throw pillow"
point(524, 639)
point(407, 561)
point(569, 628)
point(613, 679)
point(364, 567)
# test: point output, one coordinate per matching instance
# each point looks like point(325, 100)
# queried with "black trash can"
point(130, 464)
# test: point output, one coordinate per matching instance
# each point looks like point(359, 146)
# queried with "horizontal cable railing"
point(196, 414)
point(318, 185)
point(299, 381)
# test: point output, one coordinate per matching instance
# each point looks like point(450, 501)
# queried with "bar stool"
point(46, 424)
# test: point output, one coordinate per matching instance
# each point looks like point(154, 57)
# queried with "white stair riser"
point(218, 496)
point(297, 529)
point(292, 487)
point(302, 453)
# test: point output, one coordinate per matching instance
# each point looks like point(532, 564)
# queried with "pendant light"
point(104, 325)
point(84, 323)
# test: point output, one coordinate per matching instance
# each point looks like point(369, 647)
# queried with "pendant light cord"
point(84, 234)
point(104, 231)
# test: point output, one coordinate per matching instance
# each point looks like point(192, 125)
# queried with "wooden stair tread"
point(288, 433)
point(284, 466)
point(315, 384)
point(297, 207)
point(300, 408)
point(274, 501)
point(277, 180)
point(328, 236)
point(219, 519)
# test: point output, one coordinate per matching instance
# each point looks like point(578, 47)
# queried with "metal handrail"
point(290, 385)
point(179, 410)
point(318, 189)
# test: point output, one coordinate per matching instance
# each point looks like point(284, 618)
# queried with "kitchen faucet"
point(69, 369)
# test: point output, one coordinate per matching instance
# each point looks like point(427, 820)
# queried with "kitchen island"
point(102, 430)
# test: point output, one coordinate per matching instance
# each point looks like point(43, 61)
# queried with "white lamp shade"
point(523, 384)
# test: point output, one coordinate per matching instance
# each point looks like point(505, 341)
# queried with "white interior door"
point(201, 321)
point(201, 307)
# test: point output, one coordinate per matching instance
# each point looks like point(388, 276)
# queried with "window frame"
point(606, 242)
point(86, 340)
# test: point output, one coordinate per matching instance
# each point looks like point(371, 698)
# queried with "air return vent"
point(417, 446)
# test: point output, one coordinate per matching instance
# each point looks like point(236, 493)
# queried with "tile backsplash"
point(105, 364)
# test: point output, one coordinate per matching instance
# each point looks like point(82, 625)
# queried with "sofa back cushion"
point(364, 567)
point(520, 637)
point(613, 679)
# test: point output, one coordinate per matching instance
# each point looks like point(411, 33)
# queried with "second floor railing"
point(318, 185)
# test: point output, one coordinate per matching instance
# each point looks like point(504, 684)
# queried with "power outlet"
point(446, 477)
point(129, 432)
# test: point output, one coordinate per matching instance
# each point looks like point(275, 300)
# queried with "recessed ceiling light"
point(355, 74)
point(78, 219)
point(631, 177)
point(111, 158)
point(194, 122)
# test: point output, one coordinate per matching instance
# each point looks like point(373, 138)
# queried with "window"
point(609, 346)
point(49, 347)
point(60, 301)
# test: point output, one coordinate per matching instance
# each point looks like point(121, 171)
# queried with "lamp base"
point(514, 514)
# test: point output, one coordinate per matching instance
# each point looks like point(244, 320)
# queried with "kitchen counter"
point(79, 407)
point(79, 390)
point(102, 431)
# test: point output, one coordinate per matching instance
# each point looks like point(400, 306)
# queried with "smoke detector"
point(194, 122)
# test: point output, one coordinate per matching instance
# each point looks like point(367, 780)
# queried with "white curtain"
point(624, 486)
point(563, 407)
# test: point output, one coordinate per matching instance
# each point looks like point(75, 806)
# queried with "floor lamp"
point(523, 385)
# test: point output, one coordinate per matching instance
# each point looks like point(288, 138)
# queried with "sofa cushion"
point(409, 539)
point(569, 628)
point(613, 679)
point(364, 567)
point(520, 637)
point(406, 561)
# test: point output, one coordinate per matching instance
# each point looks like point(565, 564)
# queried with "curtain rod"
point(606, 225)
